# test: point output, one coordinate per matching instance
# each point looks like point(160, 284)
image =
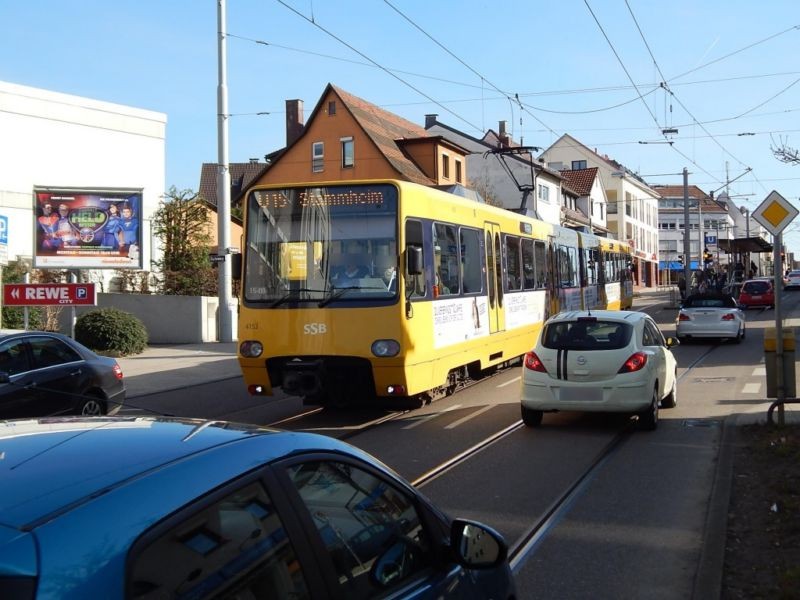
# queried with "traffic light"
point(680, 258)
point(707, 257)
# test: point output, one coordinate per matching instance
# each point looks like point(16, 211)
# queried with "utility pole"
point(687, 263)
point(701, 230)
point(225, 309)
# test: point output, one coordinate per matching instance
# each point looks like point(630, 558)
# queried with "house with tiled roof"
point(346, 137)
point(514, 180)
point(632, 204)
point(242, 175)
point(583, 200)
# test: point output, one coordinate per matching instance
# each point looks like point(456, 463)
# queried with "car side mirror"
point(672, 342)
point(414, 260)
point(477, 546)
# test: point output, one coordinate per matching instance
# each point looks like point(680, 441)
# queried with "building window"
point(331, 107)
point(348, 155)
point(458, 171)
point(544, 193)
point(317, 157)
point(445, 166)
point(578, 164)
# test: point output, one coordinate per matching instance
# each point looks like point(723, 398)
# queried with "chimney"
point(294, 120)
point(253, 161)
point(502, 134)
point(430, 121)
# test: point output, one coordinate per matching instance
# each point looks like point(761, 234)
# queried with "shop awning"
point(675, 265)
point(751, 244)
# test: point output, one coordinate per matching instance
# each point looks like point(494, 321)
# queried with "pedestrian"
point(682, 286)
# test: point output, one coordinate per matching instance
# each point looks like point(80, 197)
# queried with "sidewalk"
point(168, 367)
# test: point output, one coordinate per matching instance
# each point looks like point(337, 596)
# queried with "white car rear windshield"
point(586, 334)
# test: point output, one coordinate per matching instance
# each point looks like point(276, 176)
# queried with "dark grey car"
point(48, 374)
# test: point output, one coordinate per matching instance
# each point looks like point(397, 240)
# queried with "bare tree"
point(785, 153)
point(483, 186)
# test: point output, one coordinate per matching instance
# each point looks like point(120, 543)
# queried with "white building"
point(61, 141)
point(488, 176)
point(632, 204)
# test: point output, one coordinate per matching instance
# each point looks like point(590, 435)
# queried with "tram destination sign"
point(49, 294)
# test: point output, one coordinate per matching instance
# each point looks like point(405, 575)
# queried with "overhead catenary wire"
point(384, 69)
point(482, 77)
point(672, 94)
point(541, 93)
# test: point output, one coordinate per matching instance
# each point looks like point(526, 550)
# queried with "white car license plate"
point(570, 394)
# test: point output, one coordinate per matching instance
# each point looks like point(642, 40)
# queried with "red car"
point(757, 292)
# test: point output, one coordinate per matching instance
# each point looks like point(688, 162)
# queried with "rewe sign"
point(49, 294)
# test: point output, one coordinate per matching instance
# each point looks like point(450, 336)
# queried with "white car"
point(710, 316)
point(792, 280)
point(600, 361)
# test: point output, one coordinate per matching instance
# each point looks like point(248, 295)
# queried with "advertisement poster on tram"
point(87, 229)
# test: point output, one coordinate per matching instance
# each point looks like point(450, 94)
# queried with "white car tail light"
point(635, 362)
point(533, 363)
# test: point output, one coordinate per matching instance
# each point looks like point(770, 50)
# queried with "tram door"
point(494, 275)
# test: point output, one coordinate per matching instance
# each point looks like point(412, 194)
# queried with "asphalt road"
point(643, 525)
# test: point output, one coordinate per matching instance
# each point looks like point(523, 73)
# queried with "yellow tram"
point(393, 290)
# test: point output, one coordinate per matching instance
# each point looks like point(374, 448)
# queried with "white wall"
point(58, 140)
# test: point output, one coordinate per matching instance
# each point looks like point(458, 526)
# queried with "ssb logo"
point(314, 328)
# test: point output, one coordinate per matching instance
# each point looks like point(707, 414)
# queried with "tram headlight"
point(383, 348)
point(251, 349)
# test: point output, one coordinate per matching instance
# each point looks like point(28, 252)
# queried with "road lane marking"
point(515, 380)
point(751, 388)
point(455, 424)
point(430, 417)
point(759, 372)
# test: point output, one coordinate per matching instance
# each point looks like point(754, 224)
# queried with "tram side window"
point(470, 261)
point(513, 270)
point(528, 265)
point(540, 264)
point(592, 262)
point(566, 260)
point(611, 268)
point(445, 259)
point(415, 283)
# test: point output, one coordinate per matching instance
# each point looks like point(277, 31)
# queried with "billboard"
point(87, 229)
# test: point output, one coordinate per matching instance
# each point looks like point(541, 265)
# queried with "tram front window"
point(319, 245)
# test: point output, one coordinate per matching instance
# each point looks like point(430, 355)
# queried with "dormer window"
point(445, 166)
point(459, 174)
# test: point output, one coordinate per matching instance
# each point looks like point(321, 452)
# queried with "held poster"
point(86, 229)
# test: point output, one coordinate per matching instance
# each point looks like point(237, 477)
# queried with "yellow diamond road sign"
point(775, 213)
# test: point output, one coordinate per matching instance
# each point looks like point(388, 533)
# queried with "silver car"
point(792, 280)
point(710, 316)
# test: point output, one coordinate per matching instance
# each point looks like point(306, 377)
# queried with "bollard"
point(770, 361)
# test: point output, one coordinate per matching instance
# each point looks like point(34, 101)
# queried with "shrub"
point(110, 330)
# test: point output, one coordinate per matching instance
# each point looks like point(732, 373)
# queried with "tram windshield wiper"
point(290, 294)
point(336, 292)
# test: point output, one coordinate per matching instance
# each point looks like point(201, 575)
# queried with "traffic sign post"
point(775, 213)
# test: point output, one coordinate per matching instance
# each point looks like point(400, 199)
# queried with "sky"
point(612, 73)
